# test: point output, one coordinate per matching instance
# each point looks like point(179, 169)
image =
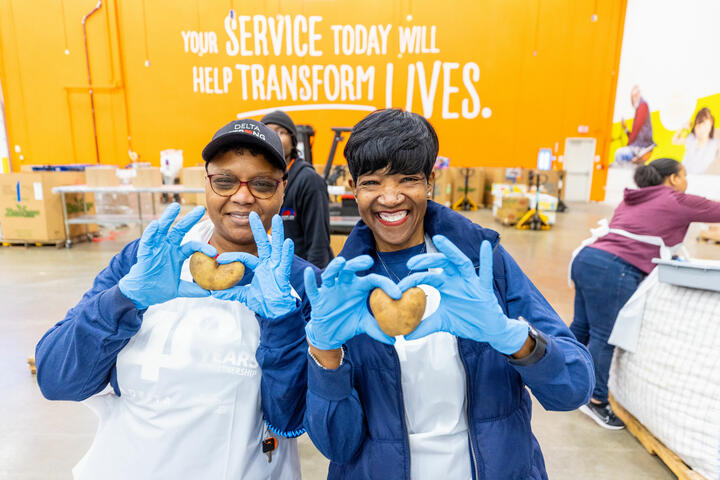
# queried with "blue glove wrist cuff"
point(123, 287)
point(316, 342)
point(512, 339)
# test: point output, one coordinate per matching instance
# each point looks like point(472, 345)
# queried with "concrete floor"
point(40, 439)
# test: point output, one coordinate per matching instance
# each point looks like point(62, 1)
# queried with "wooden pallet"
point(6, 242)
point(653, 445)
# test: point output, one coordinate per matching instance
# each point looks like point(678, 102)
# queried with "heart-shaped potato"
point(398, 317)
point(211, 276)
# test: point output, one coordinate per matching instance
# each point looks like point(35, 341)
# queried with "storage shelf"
point(110, 219)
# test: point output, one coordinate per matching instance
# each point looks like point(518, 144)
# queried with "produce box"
point(475, 184)
point(442, 191)
point(30, 212)
point(193, 177)
point(511, 208)
point(146, 177)
point(552, 182)
point(101, 176)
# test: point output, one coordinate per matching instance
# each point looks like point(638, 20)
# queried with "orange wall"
point(544, 70)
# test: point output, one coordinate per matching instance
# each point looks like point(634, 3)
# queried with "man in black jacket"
point(306, 205)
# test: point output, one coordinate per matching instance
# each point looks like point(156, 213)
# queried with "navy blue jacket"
point(355, 414)
point(76, 358)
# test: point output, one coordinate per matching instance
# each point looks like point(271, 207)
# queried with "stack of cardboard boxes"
point(30, 212)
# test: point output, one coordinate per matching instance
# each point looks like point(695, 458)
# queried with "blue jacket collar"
point(465, 234)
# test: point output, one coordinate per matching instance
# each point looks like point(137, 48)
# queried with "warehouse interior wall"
point(498, 79)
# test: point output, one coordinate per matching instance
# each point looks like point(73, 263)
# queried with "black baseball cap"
point(278, 117)
point(247, 132)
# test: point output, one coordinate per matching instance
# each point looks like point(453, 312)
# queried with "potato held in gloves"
point(398, 317)
point(211, 276)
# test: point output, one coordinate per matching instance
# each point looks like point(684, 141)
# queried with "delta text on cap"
point(247, 132)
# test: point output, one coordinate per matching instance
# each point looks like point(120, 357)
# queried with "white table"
point(141, 218)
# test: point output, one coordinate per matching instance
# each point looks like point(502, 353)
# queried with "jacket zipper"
point(402, 404)
point(473, 455)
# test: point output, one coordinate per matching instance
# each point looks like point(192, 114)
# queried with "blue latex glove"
point(340, 306)
point(269, 294)
point(155, 278)
point(468, 306)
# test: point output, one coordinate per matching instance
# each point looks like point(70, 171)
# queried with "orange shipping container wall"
point(498, 79)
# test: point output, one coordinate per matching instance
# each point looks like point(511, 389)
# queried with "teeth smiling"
point(393, 217)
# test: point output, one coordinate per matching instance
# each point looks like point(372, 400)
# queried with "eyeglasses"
point(227, 186)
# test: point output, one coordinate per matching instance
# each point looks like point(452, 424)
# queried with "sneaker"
point(603, 415)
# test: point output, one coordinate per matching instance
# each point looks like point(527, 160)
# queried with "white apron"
point(435, 399)
point(190, 403)
point(626, 330)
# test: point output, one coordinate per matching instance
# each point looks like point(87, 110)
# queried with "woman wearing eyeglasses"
point(199, 384)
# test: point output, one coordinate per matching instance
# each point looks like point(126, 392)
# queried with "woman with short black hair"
point(447, 400)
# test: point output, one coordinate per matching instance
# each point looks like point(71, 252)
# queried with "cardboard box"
point(193, 177)
point(101, 176)
point(475, 184)
point(29, 211)
point(512, 207)
point(442, 187)
point(552, 182)
point(146, 177)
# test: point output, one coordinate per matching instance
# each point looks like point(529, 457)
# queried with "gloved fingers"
point(372, 281)
point(454, 255)
point(178, 232)
point(188, 248)
point(147, 241)
point(260, 235)
point(357, 264)
point(311, 287)
point(430, 260)
point(167, 217)
point(371, 327)
point(363, 262)
point(190, 289)
point(286, 259)
point(277, 234)
point(330, 273)
point(233, 293)
point(430, 325)
point(247, 259)
point(485, 272)
point(434, 279)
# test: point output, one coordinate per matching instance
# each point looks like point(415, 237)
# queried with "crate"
point(703, 274)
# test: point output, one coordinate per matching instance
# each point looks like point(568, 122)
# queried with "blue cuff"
point(332, 385)
point(283, 330)
point(119, 313)
point(290, 434)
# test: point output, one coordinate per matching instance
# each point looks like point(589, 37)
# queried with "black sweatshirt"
point(306, 214)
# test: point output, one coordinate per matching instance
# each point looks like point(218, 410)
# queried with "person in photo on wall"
point(306, 207)
point(449, 399)
point(195, 383)
point(640, 139)
point(608, 270)
point(702, 147)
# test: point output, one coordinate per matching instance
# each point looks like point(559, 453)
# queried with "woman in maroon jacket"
point(607, 272)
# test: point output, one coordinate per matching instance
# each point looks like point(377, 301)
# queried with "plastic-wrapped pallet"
point(671, 384)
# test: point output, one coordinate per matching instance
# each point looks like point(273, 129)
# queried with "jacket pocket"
point(378, 460)
point(507, 447)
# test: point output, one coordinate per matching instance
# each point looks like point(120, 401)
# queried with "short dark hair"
point(655, 172)
point(404, 142)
